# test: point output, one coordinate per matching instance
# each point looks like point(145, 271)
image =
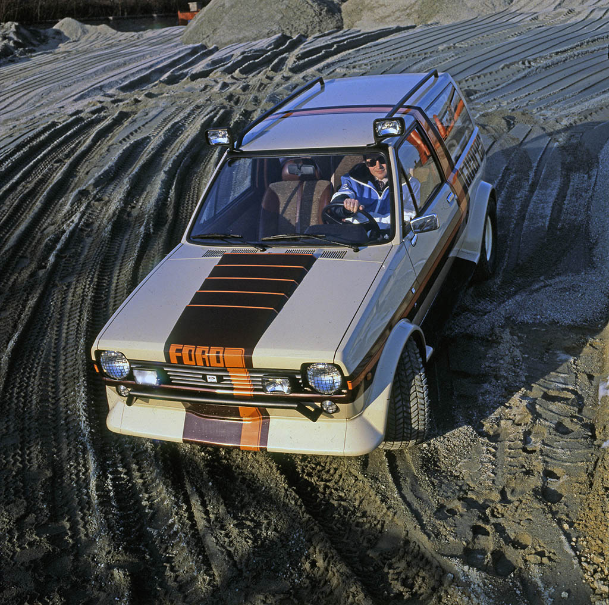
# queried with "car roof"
point(338, 112)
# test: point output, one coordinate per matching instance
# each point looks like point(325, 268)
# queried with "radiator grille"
point(221, 379)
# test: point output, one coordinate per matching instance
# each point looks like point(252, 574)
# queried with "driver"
point(366, 187)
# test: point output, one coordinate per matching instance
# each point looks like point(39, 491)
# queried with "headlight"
point(272, 384)
point(324, 377)
point(115, 364)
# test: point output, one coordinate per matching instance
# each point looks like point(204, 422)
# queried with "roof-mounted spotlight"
point(219, 136)
point(392, 127)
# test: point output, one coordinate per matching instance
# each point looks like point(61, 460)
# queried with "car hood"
point(269, 309)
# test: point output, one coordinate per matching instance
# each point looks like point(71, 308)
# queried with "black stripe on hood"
point(234, 306)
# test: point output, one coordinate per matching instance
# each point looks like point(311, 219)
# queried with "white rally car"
point(284, 321)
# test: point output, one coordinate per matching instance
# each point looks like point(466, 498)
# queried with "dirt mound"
point(224, 22)
point(75, 30)
point(17, 40)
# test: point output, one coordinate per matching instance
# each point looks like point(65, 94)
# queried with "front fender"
point(471, 241)
point(368, 428)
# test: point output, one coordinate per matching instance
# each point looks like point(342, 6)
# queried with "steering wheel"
point(334, 214)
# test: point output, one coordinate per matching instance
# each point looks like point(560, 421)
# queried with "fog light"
point(329, 407)
point(115, 364)
point(123, 391)
point(147, 377)
point(272, 384)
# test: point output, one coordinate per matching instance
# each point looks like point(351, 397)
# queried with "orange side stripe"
point(439, 257)
point(371, 363)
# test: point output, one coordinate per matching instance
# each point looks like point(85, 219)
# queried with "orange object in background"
point(185, 18)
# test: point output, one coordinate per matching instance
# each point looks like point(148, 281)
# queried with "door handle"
point(451, 197)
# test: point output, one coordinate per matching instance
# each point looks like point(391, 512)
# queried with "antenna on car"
point(273, 109)
point(431, 74)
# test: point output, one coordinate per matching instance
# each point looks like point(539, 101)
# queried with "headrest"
point(299, 169)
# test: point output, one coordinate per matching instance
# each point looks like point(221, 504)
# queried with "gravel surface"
point(102, 160)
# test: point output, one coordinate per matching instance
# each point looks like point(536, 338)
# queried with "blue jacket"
point(358, 184)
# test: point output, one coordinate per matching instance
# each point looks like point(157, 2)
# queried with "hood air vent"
point(334, 254)
point(221, 252)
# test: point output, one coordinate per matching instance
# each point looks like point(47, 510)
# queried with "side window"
point(452, 120)
point(420, 176)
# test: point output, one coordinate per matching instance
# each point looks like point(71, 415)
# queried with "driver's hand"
point(352, 205)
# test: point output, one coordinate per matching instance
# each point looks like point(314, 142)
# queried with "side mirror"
point(425, 224)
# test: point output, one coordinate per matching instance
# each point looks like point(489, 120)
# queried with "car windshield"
point(275, 199)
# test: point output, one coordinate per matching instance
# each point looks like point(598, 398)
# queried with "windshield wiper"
point(226, 237)
point(322, 237)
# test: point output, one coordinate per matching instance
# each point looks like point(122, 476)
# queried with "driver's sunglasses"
point(372, 161)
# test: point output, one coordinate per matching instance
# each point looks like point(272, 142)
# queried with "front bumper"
point(247, 427)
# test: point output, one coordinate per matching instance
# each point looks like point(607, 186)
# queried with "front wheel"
point(488, 251)
point(408, 414)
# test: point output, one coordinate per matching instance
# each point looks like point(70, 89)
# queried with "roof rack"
point(431, 74)
point(273, 109)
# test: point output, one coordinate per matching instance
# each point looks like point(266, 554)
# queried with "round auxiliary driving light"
point(115, 364)
point(325, 378)
point(123, 391)
point(329, 407)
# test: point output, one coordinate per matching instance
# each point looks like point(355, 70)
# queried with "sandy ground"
point(102, 160)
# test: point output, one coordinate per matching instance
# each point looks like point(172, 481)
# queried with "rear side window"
point(449, 114)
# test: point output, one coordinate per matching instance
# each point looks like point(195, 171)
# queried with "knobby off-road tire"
point(408, 415)
point(488, 251)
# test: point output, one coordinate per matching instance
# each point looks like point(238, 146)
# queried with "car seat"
point(346, 164)
point(296, 202)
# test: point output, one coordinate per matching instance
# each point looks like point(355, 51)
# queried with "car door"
point(425, 195)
